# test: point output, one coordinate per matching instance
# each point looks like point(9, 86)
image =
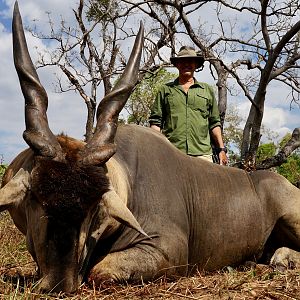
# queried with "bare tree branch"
point(283, 154)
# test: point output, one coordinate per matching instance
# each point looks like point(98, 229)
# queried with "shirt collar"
point(196, 82)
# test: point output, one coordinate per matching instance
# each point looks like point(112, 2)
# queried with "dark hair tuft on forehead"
point(67, 190)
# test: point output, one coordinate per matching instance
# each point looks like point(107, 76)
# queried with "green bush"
point(291, 169)
point(2, 170)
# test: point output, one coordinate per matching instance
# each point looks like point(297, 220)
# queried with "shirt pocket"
point(201, 104)
point(174, 104)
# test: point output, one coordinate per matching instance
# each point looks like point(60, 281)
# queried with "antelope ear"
point(120, 212)
point(15, 190)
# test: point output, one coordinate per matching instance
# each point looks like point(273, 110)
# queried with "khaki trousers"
point(207, 157)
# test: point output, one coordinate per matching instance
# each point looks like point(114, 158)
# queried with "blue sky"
point(67, 112)
point(5, 20)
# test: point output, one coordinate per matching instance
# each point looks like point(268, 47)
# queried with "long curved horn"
point(101, 147)
point(37, 134)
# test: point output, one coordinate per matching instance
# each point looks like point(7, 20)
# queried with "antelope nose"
point(54, 286)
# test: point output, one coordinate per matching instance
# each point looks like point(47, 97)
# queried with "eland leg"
point(140, 263)
point(282, 205)
point(285, 241)
point(285, 258)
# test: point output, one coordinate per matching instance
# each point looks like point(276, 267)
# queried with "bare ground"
point(18, 279)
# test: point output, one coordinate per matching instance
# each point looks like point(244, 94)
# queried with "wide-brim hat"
point(188, 52)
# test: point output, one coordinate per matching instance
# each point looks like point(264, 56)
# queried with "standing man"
point(186, 110)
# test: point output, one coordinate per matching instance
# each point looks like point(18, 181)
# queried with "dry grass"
point(17, 279)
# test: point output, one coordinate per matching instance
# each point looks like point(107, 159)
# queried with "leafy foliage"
point(140, 101)
point(233, 133)
point(102, 10)
point(233, 136)
point(265, 150)
point(291, 169)
point(2, 167)
point(285, 139)
point(2, 170)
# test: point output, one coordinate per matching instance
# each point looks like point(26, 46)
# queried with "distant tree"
point(139, 104)
point(285, 139)
point(265, 150)
point(291, 169)
point(3, 167)
point(233, 136)
point(2, 170)
point(293, 142)
point(233, 133)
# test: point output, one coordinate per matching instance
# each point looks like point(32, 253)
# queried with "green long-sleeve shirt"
point(186, 118)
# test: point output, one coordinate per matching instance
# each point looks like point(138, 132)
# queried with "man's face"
point(186, 66)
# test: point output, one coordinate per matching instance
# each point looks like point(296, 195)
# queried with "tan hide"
point(15, 190)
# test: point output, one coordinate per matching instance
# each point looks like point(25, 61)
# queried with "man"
point(186, 110)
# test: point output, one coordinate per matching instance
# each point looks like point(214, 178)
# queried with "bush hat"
point(188, 52)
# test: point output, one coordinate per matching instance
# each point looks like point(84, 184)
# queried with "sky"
point(67, 112)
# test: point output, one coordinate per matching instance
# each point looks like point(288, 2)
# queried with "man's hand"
point(155, 127)
point(223, 158)
point(217, 137)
